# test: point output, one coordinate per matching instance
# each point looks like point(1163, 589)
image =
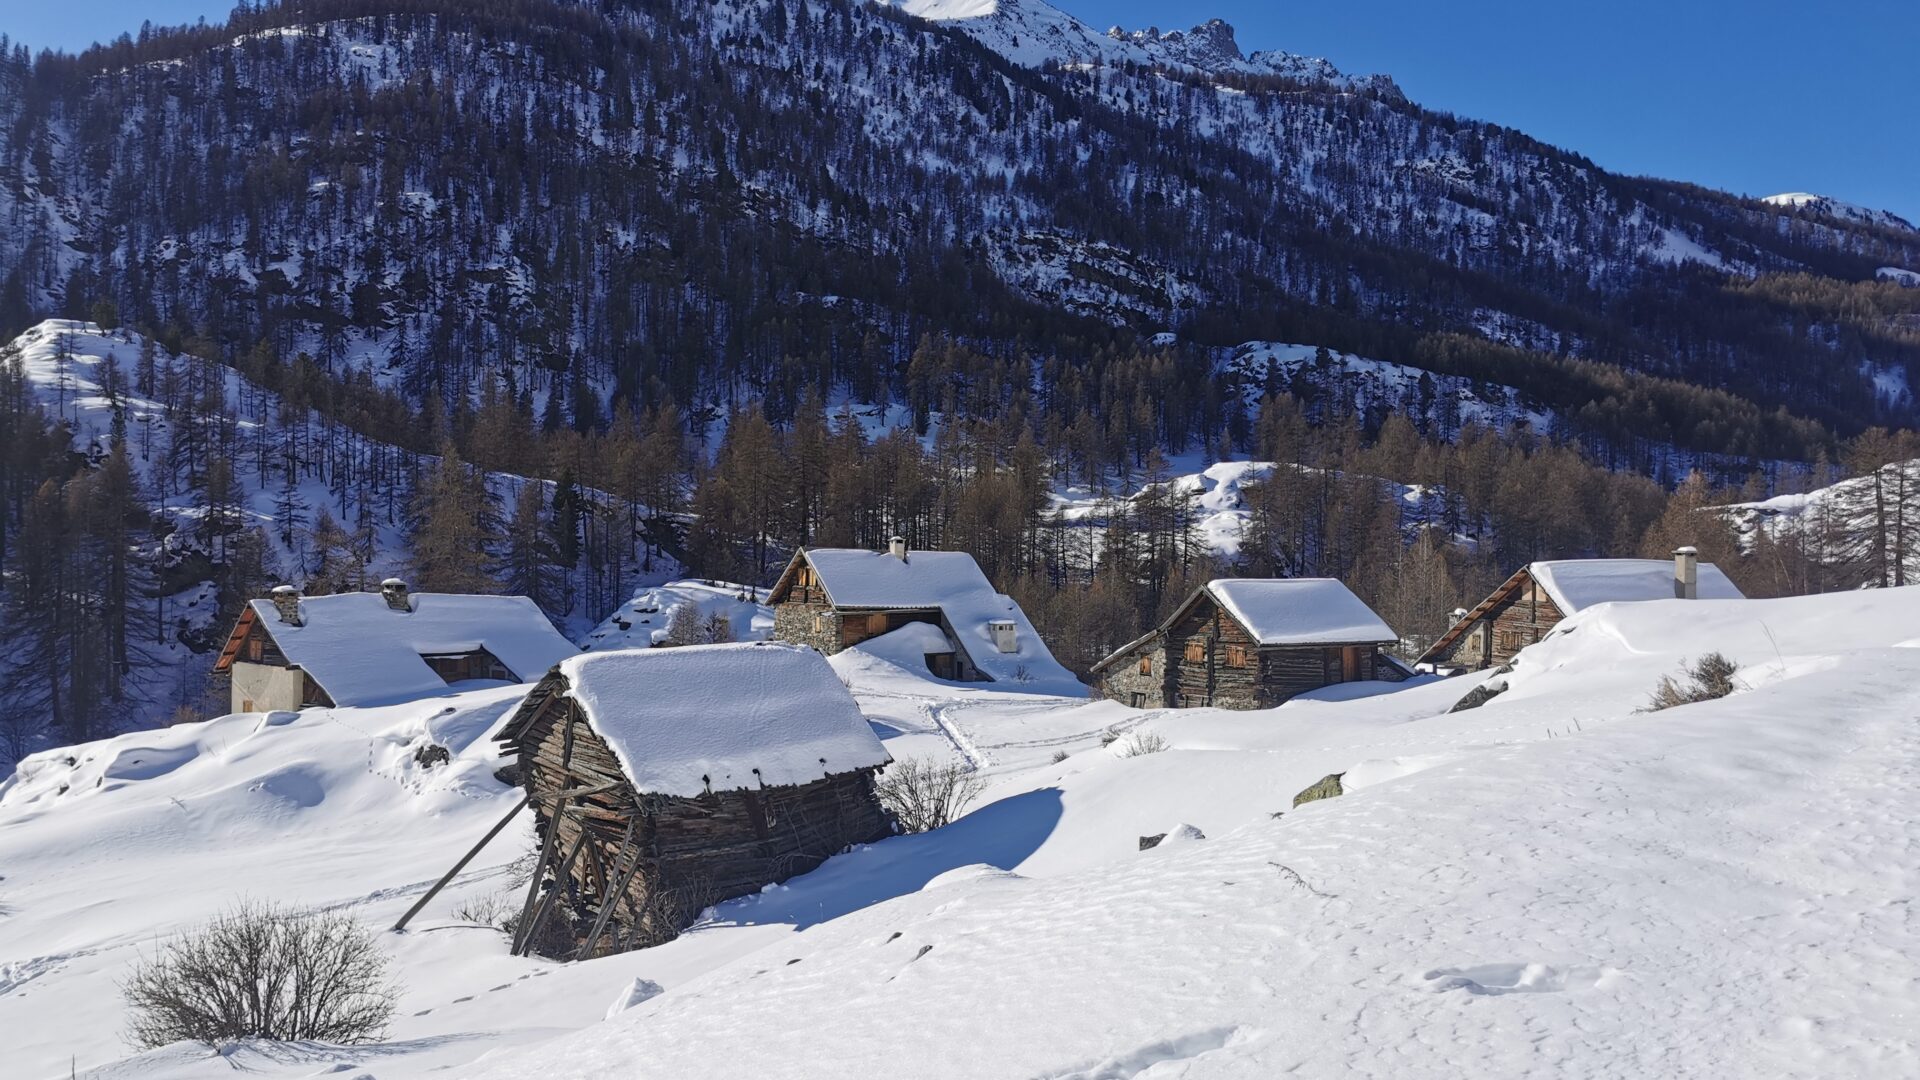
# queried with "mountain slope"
point(541, 188)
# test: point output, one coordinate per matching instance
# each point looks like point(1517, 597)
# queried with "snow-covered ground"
point(1551, 884)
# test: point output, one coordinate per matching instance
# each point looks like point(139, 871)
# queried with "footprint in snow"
point(1494, 979)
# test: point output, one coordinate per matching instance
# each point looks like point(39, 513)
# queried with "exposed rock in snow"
point(1835, 208)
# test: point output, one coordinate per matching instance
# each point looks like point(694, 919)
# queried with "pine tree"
point(453, 518)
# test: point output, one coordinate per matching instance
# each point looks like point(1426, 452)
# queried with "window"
point(1139, 700)
point(1196, 652)
point(1236, 656)
point(255, 648)
point(1146, 664)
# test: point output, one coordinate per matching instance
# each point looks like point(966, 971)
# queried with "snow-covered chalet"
point(1538, 595)
point(295, 652)
point(833, 598)
point(1251, 643)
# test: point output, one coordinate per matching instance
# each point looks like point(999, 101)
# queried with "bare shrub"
point(263, 971)
point(1707, 678)
point(923, 795)
point(1143, 742)
point(1109, 737)
point(1060, 756)
point(498, 910)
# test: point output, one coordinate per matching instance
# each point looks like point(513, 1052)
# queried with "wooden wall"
point(1515, 621)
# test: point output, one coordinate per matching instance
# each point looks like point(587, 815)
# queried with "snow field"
point(1551, 884)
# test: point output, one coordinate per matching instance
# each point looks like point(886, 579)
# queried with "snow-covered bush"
point(260, 970)
point(1708, 678)
point(1141, 742)
point(922, 795)
point(497, 910)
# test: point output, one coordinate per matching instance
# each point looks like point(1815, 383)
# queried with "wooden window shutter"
point(876, 624)
point(1236, 656)
point(1196, 651)
point(1146, 664)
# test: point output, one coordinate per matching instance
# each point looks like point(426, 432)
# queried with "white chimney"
point(1005, 637)
point(395, 592)
point(1686, 573)
point(1454, 617)
point(897, 547)
point(286, 600)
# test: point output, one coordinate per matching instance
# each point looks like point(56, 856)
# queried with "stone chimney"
point(1006, 636)
point(286, 600)
point(395, 592)
point(1686, 573)
point(897, 547)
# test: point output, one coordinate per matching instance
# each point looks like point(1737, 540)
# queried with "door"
point(1350, 664)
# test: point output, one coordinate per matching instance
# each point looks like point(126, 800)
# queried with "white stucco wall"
point(263, 687)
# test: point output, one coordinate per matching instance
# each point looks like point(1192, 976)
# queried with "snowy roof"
point(1577, 584)
point(858, 578)
point(1300, 611)
point(683, 721)
point(952, 582)
point(360, 650)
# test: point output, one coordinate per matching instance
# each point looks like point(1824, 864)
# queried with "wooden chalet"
point(667, 780)
point(293, 652)
point(1251, 643)
point(835, 598)
point(1528, 605)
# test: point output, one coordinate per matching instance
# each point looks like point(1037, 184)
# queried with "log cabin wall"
point(687, 853)
point(1521, 617)
point(1213, 660)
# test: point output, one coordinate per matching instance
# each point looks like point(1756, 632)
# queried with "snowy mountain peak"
point(1828, 206)
point(1033, 33)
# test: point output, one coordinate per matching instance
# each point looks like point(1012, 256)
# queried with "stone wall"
point(816, 625)
point(1123, 680)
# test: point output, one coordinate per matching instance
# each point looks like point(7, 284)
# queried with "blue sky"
point(1757, 97)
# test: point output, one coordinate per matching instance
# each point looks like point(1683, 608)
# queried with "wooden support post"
point(539, 869)
point(610, 894)
point(546, 905)
point(461, 865)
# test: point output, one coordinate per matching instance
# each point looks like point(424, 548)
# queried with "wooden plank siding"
point(1517, 615)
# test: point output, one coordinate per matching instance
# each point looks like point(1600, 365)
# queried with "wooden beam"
point(528, 932)
point(610, 897)
point(533, 887)
point(461, 865)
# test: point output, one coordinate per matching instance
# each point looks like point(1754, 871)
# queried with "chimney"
point(1686, 573)
point(395, 592)
point(1005, 636)
point(286, 600)
point(1454, 617)
point(897, 547)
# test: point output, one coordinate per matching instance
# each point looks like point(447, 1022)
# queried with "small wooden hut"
point(1528, 605)
point(667, 780)
point(1251, 643)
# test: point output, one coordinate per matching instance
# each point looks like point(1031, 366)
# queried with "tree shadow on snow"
point(1001, 834)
